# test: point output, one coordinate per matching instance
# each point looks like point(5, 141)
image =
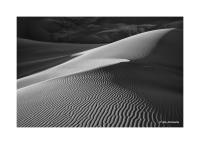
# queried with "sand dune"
point(133, 82)
point(35, 56)
point(113, 96)
point(132, 48)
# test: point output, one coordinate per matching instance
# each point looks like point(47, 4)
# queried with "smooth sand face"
point(108, 90)
point(131, 48)
point(34, 56)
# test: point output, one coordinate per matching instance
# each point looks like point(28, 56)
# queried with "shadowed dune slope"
point(146, 91)
point(34, 56)
point(132, 48)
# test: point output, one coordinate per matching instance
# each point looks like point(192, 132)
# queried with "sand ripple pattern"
point(89, 99)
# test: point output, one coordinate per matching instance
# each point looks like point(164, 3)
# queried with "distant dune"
point(136, 81)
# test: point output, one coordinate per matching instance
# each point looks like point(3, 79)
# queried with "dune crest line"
point(131, 48)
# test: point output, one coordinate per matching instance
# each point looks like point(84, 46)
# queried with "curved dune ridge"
point(36, 56)
point(131, 48)
point(105, 90)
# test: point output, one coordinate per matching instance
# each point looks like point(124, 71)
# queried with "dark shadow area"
point(158, 78)
point(168, 51)
point(162, 88)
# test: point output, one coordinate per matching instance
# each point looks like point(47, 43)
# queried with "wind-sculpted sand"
point(35, 56)
point(134, 82)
